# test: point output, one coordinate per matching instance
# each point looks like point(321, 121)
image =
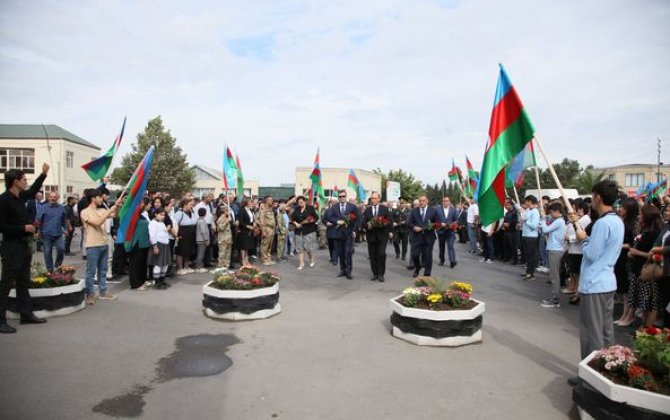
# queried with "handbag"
point(651, 271)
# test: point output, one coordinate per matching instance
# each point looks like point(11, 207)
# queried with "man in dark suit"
point(447, 215)
point(377, 235)
point(344, 232)
point(421, 223)
point(331, 233)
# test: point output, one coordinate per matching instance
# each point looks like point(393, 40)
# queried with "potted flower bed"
point(52, 294)
point(245, 294)
point(434, 314)
point(627, 383)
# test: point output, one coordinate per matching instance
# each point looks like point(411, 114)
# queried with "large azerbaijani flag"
point(657, 190)
point(97, 168)
point(229, 170)
point(132, 206)
point(356, 185)
point(316, 192)
point(509, 133)
point(240, 178)
point(524, 160)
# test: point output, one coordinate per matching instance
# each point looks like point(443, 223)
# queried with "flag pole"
point(516, 194)
point(553, 174)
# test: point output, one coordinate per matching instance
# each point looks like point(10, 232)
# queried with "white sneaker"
point(189, 270)
point(144, 287)
point(201, 270)
point(311, 264)
point(109, 276)
point(489, 261)
point(182, 272)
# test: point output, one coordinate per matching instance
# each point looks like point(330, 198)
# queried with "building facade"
point(208, 180)
point(337, 177)
point(632, 176)
point(28, 146)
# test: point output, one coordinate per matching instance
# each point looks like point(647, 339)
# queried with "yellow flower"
point(40, 279)
point(434, 298)
point(463, 287)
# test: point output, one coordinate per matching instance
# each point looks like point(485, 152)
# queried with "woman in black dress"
point(185, 220)
point(246, 238)
point(304, 219)
point(642, 294)
point(629, 212)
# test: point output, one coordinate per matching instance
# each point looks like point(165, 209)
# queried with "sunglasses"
point(343, 196)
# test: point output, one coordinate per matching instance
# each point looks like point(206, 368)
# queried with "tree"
point(434, 193)
point(410, 187)
point(170, 171)
point(587, 179)
point(567, 171)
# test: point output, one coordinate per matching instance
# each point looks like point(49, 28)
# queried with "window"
point(635, 180)
point(69, 159)
point(49, 188)
point(23, 159)
point(69, 189)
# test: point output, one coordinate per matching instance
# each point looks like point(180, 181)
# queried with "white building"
point(208, 180)
point(26, 147)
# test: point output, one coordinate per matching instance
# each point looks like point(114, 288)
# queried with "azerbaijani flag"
point(240, 178)
point(229, 170)
point(132, 206)
point(524, 160)
point(455, 172)
point(509, 133)
point(316, 191)
point(471, 182)
point(356, 185)
point(657, 189)
point(97, 168)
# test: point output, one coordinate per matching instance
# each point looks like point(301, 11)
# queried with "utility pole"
point(658, 172)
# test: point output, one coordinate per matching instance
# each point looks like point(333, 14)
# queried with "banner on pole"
point(392, 191)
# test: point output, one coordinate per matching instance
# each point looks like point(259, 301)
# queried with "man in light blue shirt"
point(555, 241)
point(597, 283)
point(529, 235)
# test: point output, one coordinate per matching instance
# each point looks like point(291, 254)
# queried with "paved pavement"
point(328, 355)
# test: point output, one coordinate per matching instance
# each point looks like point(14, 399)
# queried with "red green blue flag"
point(356, 185)
point(229, 170)
point(316, 191)
point(524, 160)
point(240, 178)
point(132, 206)
point(455, 173)
point(471, 181)
point(657, 190)
point(97, 168)
point(510, 131)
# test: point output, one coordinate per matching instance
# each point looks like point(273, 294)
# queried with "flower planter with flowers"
point(433, 314)
point(242, 295)
point(52, 294)
point(625, 383)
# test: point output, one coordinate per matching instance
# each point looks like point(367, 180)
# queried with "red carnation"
point(652, 330)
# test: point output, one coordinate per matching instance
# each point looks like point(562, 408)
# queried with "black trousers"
point(377, 253)
point(332, 250)
point(119, 260)
point(400, 242)
point(345, 249)
point(16, 261)
point(137, 272)
point(510, 246)
point(422, 255)
point(532, 247)
point(68, 241)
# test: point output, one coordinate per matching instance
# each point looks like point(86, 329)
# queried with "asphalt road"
point(328, 355)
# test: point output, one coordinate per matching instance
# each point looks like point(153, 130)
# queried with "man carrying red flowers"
point(377, 222)
point(422, 240)
point(343, 216)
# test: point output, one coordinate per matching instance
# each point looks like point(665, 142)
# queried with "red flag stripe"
point(505, 113)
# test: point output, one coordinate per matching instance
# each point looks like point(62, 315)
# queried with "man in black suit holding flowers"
point(378, 224)
point(422, 222)
point(344, 217)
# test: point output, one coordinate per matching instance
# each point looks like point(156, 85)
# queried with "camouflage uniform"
point(400, 232)
point(282, 233)
point(321, 229)
point(268, 223)
point(225, 239)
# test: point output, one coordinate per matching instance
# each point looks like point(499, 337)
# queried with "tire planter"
point(51, 301)
point(437, 328)
point(240, 305)
point(598, 397)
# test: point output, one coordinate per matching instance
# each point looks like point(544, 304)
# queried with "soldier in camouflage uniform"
point(282, 230)
point(224, 236)
point(268, 224)
point(400, 232)
point(321, 228)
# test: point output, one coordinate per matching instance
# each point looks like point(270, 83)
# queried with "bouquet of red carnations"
point(378, 222)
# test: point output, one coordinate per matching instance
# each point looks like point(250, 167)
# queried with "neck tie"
point(342, 209)
point(423, 214)
point(374, 211)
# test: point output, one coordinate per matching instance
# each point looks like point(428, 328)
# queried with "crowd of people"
point(595, 250)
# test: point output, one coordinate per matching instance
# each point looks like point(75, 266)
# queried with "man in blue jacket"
point(421, 223)
point(447, 215)
point(345, 217)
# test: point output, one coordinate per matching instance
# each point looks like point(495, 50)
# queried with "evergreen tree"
point(170, 171)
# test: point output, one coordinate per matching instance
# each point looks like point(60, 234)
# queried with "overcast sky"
point(390, 84)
